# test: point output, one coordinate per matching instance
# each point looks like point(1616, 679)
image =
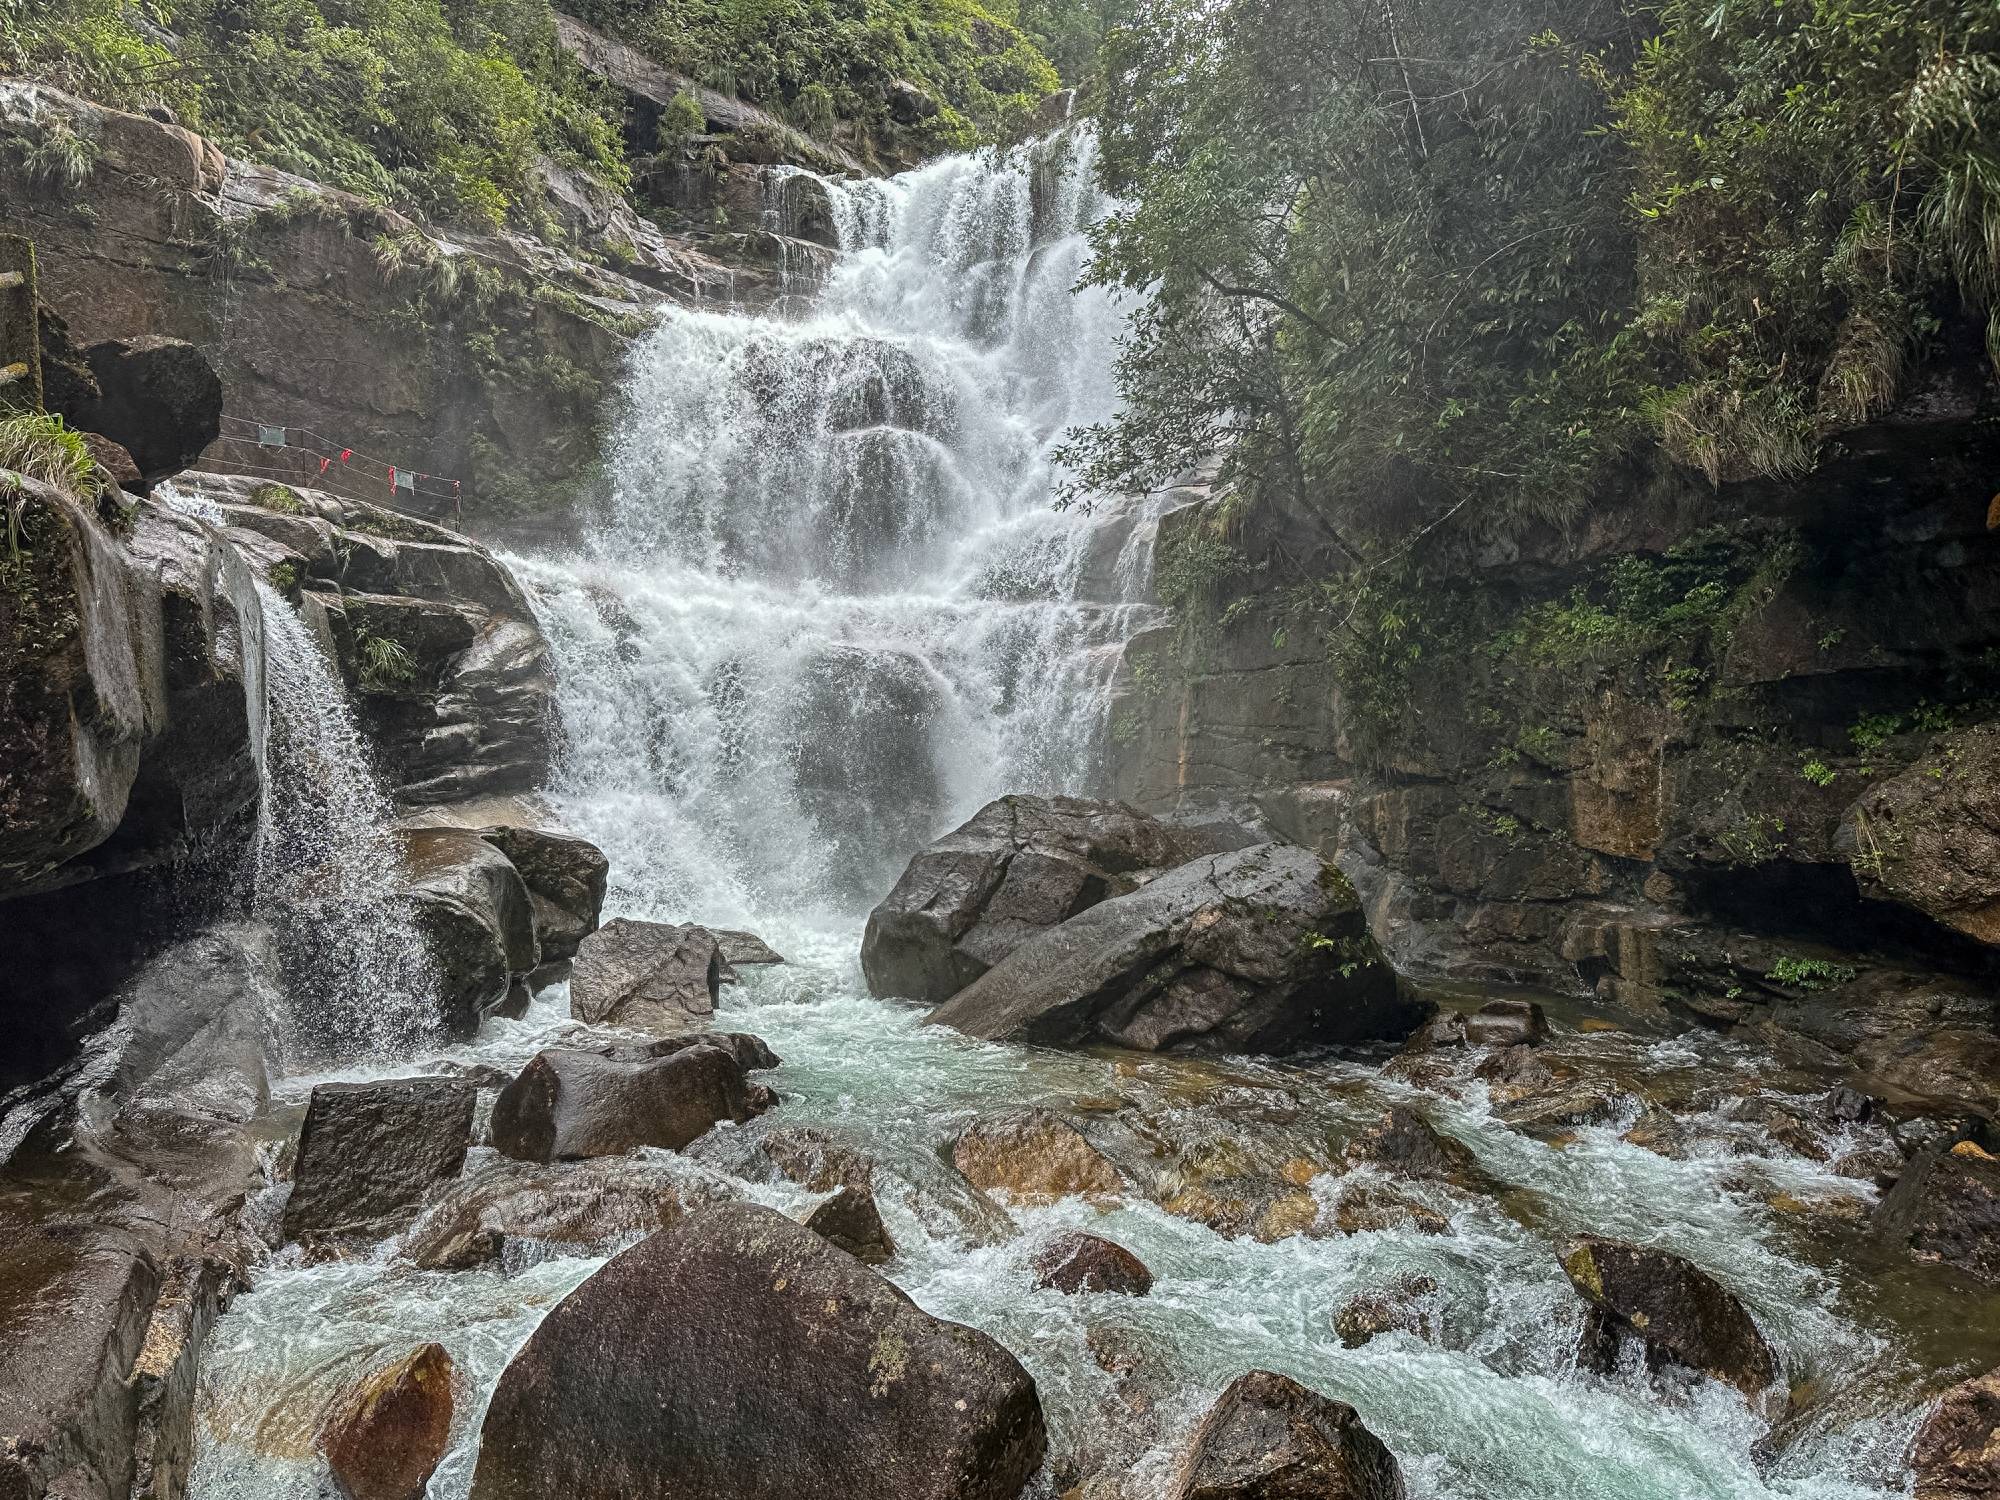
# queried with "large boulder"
point(1956, 1454)
point(565, 877)
point(157, 398)
point(387, 1432)
point(476, 917)
point(1945, 1208)
point(574, 1208)
point(1263, 949)
point(1269, 1437)
point(651, 976)
point(1018, 867)
point(1681, 1314)
point(1079, 1262)
point(370, 1154)
point(740, 1354)
point(566, 1105)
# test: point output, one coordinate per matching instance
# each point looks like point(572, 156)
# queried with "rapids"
point(829, 612)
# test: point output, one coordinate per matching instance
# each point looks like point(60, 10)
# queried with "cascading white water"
point(831, 609)
point(829, 612)
point(359, 975)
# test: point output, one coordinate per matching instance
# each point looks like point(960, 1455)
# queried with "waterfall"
point(358, 972)
point(831, 609)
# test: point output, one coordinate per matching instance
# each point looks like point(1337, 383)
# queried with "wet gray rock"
point(371, 1154)
point(1507, 1023)
point(1079, 1262)
point(1268, 1436)
point(571, 1208)
point(1403, 1141)
point(1264, 949)
point(1019, 866)
point(651, 976)
point(850, 1220)
point(751, 1052)
point(676, 1370)
point(745, 948)
point(1681, 1314)
point(566, 1104)
point(476, 915)
point(565, 878)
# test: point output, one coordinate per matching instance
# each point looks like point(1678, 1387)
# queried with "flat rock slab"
point(371, 1154)
point(651, 976)
point(739, 1354)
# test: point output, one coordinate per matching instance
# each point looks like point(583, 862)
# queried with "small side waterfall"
point(831, 609)
point(358, 969)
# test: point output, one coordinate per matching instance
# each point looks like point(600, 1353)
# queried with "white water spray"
point(832, 608)
point(359, 975)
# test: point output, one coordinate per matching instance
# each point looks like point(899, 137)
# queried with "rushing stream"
point(830, 613)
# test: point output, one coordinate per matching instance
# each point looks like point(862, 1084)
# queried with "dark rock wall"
point(1726, 752)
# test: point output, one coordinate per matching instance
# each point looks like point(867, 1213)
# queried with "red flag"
point(346, 454)
point(392, 476)
point(323, 463)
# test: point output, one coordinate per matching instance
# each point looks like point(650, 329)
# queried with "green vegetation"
point(1809, 973)
point(1450, 269)
point(382, 663)
point(815, 61)
point(44, 448)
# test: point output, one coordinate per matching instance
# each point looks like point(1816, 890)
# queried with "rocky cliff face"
point(483, 357)
point(1722, 753)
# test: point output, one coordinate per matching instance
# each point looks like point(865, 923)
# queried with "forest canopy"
point(1418, 259)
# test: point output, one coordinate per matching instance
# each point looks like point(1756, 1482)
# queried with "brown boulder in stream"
point(370, 1154)
point(386, 1435)
point(1265, 949)
point(567, 1104)
point(850, 1220)
point(1269, 1438)
point(647, 975)
point(1018, 867)
point(1956, 1454)
point(1945, 1208)
point(1079, 1262)
point(1033, 1156)
point(1683, 1315)
point(740, 1355)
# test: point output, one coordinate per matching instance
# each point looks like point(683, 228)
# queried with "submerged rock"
point(388, 1431)
point(1956, 1454)
point(370, 1154)
point(850, 1220)
point(740, 1354)
point(1267, 1437)
point(1681, 1314)
point(1078, 1262)
point(571, 1104)
point(647, 975)
point(1033, 1156)
point(1404, 1141)
point(1261, 950)
point(576, 1208)
point(1019, 866)
point(1406, 1306)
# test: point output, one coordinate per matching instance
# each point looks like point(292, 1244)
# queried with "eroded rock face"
point(1945, 1208)
point(1681, 1314)
point(567, 1105)
point(158, 398)
point(1018, 867)
point(1260, 950)
point(1269, 1436)
point(676, 1370)
point(648, 975)
point(1956, 1455)
point(565, 877)
point(1033, 1156)
point(475, 912)
point(390, 1428)
point(1079, 1262)
point(1932, 842)
point(370, 1154)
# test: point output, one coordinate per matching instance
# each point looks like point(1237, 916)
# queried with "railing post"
point(20, 332)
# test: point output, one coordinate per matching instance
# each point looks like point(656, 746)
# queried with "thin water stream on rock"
point(830, 614)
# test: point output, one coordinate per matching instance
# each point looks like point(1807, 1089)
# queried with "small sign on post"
point(20, 333)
